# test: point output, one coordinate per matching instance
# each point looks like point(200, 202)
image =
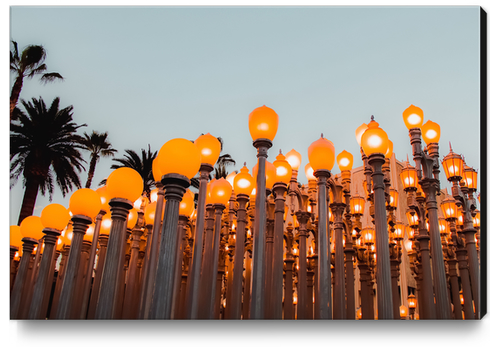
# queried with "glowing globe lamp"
point(294, 159)
point(55, 216)
point(155, 169)
point(68, 236)
point(124, 183)
point(263, 123)
point(309, 173)
point(105, 224)
point(89, 234)
point(154, 195)
point(220, 191)
point(231, 177)
point(104, 199)
point(359, 131)
point(15, 236)
point(413, 117)
point(243, 183)
point(345, 160)
point(150, 213)
point(32, 227)
point(374, 139)
point(209, 147)
point(283, 169)
point(59, 244)
point(186, 206)
point(86, 202)
point(431, 132)
point(389, 151)
point(179, 156)
point(321, 154)
point(132, 218)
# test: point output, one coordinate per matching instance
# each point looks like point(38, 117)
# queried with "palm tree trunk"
point(93, 162)
point(14, 95)
point(29, 201)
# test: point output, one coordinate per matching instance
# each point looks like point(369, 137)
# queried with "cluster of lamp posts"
point(124, 257)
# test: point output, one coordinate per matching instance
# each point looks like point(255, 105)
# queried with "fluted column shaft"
point(80, 226)
point(131, 293)
point(278, 263)
point(302, 285)
point(178, 264)
point(339, 294)
point(174, 186)
point(111, 274)
point(453, 279)
point(98, 275)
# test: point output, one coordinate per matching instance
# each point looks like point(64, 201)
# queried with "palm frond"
point(50, 77)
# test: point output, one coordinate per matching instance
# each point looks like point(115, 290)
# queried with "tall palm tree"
point(98, 146)
point(27, 65)
point(141, 164)
point(44, 148)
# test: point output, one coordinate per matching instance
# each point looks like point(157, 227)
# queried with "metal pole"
point(278, 263)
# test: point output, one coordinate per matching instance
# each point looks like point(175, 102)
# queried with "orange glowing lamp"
point(154, 195)
point(86, 202)
point(412, 301)
point(150, 213)
point(105, 224)
point(89, 234)
point(132, 219)
point(321, 154)
point(360, 131)
point(220, 192)
point(68, 236)
point(357, 204)
point(399, 230)
point(453, 166)
point(32, 227)
point(413, 117)
point(284, 171)
point(345, 160)
point(368, 235)
point(294, 159)
point(431, 132)
point(231, 177)
point(449, 208)
point(263, 123)
point(179, 156)
point(409, 177)
point(403, 312)
point(413, 218)
point(186, 206)
point(124, 183)
point(243, 183)
point(443, 226)
point(393, 199)
point(309, 173)
point(209, 147)
point(155, 170)
point(476, 219)
point(15, 236)
point(104, 199)
point(374, 140)
point(55, 216)
point(470, 177)
point(270, 174)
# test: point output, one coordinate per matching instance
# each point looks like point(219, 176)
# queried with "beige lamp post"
point(263, 123)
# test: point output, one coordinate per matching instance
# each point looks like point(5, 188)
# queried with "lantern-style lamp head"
point(409, 178)
point(263, 123)
point(368, 235)
point(403, 312)
point(270, 174)
point(413, 218)
point(294, 159)
point(374, 139)
point(399, 230)
point(443, 227)
point(55, 216)
point(359, 131)
point(220, 192)
point(132, 219)
point(243, 183)
point(357, 204)
point(86, 202)
point(413, 117)
point(309, 173)
point(186, 206)
point(453, 166)
point(321, 154)
point(431, 132)
point(345, 160)
point(393, 199)
point(449, 208)
point(209, 147)
point(476, 219)
point(179, 156)
point(283, 169)
point(125, 183)
point(412, 301)
point(104, 198)
point(470, 177)
point(15, 236)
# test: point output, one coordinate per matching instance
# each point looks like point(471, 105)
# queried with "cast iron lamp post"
point(263, 123)
point(180, 160)
point(54, 218)
point(321, 155)
point(31, 228)
point(209, 148)
point(124, 186)
point(84, 205)
point(374, 143)
point(427, 168)
point(456, 171)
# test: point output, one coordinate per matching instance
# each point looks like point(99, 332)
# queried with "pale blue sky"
point(150, 74)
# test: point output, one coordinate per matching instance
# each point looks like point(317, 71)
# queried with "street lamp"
point(374, 142)
point(263, 123)
point(412, 305)
point(321, 155)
